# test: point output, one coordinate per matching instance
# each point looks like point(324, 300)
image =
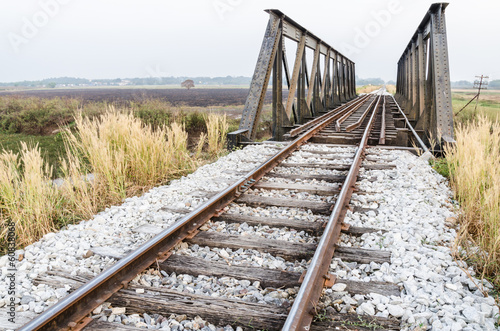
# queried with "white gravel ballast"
point(412, 203)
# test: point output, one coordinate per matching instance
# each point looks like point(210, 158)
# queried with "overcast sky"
point(122, 38)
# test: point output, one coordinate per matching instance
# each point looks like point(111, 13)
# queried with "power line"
point(480, 85)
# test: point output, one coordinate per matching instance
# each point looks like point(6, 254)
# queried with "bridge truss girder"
point(423, 81)
point(309, 94)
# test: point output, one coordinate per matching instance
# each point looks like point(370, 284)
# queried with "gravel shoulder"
point(412, 203)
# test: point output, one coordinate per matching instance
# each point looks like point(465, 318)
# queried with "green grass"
point(52, 147)
point(441, 167)
point(488, 105)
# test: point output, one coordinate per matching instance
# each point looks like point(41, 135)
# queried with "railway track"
point(306, 250)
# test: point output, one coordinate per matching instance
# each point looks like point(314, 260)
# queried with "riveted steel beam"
point(426, 100)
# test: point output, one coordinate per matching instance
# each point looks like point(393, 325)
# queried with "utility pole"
point(480, 85)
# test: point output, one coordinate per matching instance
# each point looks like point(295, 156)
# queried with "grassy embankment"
point(473, 167)
point(38, 121)
point(128, 151)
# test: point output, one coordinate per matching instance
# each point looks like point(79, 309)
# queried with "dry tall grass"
point(27, 196)
point(108, 158)
point(474, 165)
point(217, 128)
point(126, 156)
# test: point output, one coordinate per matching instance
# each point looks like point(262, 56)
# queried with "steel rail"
point(346, 116)
point(381, 140)
point(302, 311)
point(358, 123)
point(70, 311)
point(421, 143)
point(335, 112)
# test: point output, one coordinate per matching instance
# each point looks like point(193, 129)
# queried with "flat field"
point(488, 104)
point(196, 97)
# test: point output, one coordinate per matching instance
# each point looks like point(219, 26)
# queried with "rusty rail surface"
point(302, 311)
point(71, 311)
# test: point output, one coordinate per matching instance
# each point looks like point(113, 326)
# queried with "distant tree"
point(51, 85)
point(188, 83)
point(462, 84)
point(495, 84)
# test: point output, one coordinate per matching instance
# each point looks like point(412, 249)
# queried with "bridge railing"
point(312, 90)
point(423, 81)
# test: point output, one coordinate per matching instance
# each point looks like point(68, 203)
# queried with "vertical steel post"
point(278, 112)
point(318, 106)
point(261, 77)
point(342, 80)
point(336, 80)
point(421, 62)
point(444, 109)
point(325, 87)
point(414, 83)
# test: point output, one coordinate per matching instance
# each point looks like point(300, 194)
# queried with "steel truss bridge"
point(423, 91)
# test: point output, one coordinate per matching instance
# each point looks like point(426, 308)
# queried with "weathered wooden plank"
point(312, 227)
point(331, 156)
point(326, 178)
point(176, 210)
point(362, 255)
point(340, 167)
point(108, 326)
point(148, 228)
point(359, 231)
point(259, 201)
point(316, 207)
point(285, 249)
point(313, 189)
point(359, 287)
point(337, 321)
point(371, 152)
point(215, 310)
point(378, 166)
point(334, 145)
point(159, 300)
point(182, 264)
point(334, 140)
point(109, 252)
